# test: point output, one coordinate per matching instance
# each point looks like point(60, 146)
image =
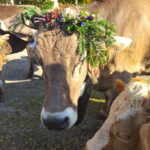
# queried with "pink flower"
point(47, 17)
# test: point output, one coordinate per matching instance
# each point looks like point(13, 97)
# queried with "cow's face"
point(127, 134)
point(64, 74)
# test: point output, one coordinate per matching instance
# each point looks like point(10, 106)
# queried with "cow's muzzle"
point(59, 120)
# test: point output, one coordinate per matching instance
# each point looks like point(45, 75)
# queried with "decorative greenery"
point(30, 13)
point(95, 36)
point(44, 4)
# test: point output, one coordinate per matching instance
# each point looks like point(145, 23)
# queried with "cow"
point(16, 42)
point(66, 75)
point(3, 52)
point(132, 19)
point(128, 124)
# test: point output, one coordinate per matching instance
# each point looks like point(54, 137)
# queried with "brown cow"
point(65, 72)
point(8, 16)
point(3, 52)
point(128, 124)
point(132, 19)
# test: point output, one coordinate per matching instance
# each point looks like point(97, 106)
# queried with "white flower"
point(56, 5)
point(68, 12)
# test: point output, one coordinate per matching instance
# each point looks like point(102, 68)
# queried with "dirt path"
point(20, 126)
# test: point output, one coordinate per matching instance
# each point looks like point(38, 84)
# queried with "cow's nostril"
point(56, 123)
point(65, 123)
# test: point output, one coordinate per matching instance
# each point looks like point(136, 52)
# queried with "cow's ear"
point(120, 86)
point(121, 43)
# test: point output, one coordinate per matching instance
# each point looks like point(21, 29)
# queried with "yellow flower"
point(88, 1)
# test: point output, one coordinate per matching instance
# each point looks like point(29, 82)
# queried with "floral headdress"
point(94, 35)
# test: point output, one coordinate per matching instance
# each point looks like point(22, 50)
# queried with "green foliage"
point(30, 13)
point(44, 4)
point(94, 37)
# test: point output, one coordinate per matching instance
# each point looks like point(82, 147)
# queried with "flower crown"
point(94, 35)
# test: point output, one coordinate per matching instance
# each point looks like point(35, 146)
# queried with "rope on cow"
point(95, 35)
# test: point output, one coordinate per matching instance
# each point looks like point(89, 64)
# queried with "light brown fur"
point(8, 14)
point(8, 11)
point(132, 19)
point(56, 52)
point(128, 124)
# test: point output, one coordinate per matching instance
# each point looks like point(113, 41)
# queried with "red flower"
point(53, 25)
point(47, 17)
point(54, 14)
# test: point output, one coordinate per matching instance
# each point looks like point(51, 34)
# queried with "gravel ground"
point(20, 126)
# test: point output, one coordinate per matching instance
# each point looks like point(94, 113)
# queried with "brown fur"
point(13, 44)
point(145, 136)
point(56, 52)
point(8, 11)
point(135, 136)
point(143, 141)
point(126, 128)
point(132, 19)
point(119, 86)
point(107, 84)
point(1, 64)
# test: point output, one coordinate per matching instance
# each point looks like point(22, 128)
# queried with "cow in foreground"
point(67, 73)
point(128, 124)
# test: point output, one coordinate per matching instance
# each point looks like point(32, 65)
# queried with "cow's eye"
point(123, 136)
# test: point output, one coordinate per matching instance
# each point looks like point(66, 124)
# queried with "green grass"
point(21, 129)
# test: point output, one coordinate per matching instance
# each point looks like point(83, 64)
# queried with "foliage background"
point(39, 1)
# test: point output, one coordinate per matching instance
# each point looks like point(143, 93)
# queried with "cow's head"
point(64, 72)
point(128, 120)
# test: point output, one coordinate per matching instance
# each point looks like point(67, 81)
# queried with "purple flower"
point(89, 18)
point(82, 23)
point(32, 45)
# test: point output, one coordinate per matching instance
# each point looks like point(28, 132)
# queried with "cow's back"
point(8, 11)
point(132, 18)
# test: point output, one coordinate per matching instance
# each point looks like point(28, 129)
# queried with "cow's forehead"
point(127, 104)
point(55, 43)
